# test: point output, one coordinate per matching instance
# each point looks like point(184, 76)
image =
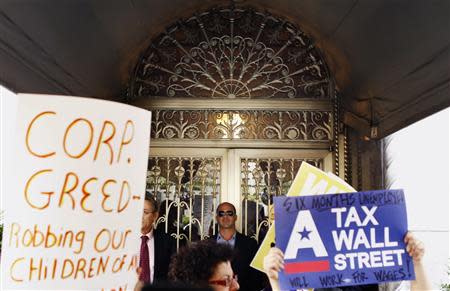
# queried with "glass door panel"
point(264, 174)
point(188, 187)
point(189, 183)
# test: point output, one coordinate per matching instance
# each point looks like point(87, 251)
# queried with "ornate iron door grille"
point(188, 190)
point(261, 180)
point(298, 125)
point(232, 53)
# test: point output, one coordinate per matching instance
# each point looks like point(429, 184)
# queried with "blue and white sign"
point(342, 239)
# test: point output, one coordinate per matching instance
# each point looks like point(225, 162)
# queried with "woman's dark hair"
point(195, 264)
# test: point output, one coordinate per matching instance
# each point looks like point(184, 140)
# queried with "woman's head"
point(204, 263)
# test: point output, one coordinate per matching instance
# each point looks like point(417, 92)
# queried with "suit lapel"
point(155, 253)
point(237, 243)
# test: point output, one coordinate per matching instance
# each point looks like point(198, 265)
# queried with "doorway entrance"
point(191, 182)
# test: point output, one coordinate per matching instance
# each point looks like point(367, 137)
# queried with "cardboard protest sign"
point(342, 239)
point(74, 199)
point(308, 181)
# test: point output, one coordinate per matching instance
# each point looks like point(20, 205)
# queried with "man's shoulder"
point(160, 235)
point(242, 236)
point(165, 242)
point(245, 239)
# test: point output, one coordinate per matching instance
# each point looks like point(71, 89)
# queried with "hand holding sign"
point(274, 263)
point(342, 239)
point(414, 247)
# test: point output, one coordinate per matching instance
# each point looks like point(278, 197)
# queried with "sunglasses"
point(223, 213)
point(225, 282)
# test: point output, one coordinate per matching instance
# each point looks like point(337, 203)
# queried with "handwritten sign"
point(342, 239)
point(74, 202)
point(308, 181)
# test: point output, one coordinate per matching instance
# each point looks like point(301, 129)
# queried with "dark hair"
point(195, 264)
point(150, 198)
point(234, 208)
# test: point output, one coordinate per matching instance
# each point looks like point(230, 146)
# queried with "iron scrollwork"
point(188, 190)
point(249, 124)
point(232, 53)
point(261, 180)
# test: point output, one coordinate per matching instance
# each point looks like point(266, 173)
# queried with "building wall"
point(418, 159)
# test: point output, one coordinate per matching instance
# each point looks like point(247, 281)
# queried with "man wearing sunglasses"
point(243, 246)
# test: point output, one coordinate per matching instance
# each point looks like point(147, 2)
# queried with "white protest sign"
point(74, 203)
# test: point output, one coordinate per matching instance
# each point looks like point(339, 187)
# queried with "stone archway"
point(233, 78)
point(232, 53)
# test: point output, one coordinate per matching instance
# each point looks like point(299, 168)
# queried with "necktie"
point(144, 260)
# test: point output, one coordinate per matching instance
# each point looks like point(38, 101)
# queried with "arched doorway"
point(239, 99)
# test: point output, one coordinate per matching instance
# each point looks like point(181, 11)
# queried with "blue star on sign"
point(304, 233)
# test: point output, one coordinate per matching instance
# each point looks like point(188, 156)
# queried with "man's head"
point(226, 216)
point(150, 214)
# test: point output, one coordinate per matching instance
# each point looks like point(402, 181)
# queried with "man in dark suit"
point(156, 247)
point(244, 248)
